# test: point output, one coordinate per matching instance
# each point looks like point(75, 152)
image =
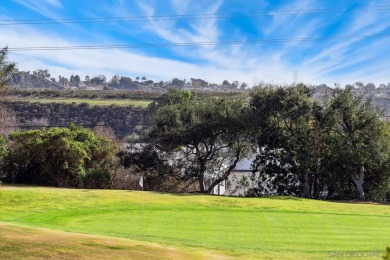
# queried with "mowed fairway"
point(191, 226)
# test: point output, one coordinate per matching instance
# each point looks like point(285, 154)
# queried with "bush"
point(62, 157)
point(98, 179)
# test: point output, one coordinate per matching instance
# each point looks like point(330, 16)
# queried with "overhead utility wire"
point(190, 44)
point(186, 16)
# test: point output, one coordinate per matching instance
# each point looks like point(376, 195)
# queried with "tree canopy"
point(324, 148)
point(209, 135)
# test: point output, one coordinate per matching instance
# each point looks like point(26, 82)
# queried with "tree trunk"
point(359, 184)
point(226, 173)
point(314, 181)
point(201, 184)
point(201, 177)
point(215, 183)
point(306, 185)
point(13, 177)
point(314, 187)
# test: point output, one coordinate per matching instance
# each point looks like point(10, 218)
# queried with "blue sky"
point(327, 60)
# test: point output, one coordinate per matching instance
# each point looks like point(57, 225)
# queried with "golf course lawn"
point(21, 243)
point(42, 222)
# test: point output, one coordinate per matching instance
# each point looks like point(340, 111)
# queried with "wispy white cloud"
point(267, 66)
point(43, 7)
point(285, 24)
point(55, 3)
point(95, 62)
point(346, 56)
point(314, 61)
point(181, 6)
point(207, 30)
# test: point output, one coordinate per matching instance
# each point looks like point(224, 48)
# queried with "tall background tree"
point(319, 148)
point(8, 119)
point(286, 137)
point(7, 68)
point(360, 144)
point(208, 135)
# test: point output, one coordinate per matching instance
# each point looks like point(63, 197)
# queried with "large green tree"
point(208, 135)
point(332, 146)
point(289, 134)
point(360, 145)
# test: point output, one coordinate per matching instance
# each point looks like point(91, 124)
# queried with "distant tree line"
point(107, 94)
point(41, 78)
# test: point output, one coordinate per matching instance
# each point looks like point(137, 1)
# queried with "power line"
point(186, 16)
point(190, 44)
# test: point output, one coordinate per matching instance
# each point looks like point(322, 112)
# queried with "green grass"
point(274, 228)
point(91, 102)
point(18, 242)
